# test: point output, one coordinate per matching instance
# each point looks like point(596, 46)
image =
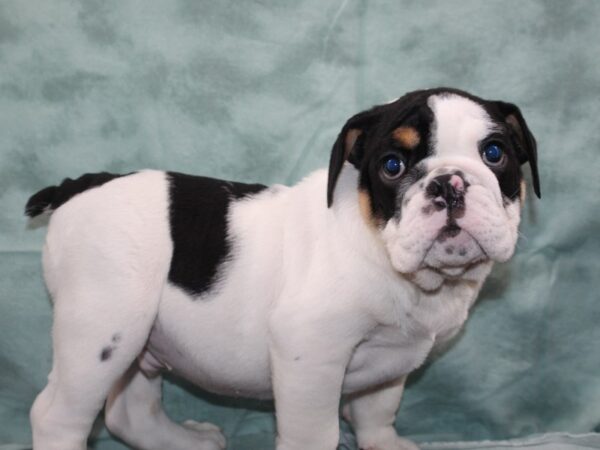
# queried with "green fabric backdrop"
point(257, 91)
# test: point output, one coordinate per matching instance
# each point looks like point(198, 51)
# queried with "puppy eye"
point(392, 167)
point(493, 155)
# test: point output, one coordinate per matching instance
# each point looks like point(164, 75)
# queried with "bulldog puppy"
point(337, 287)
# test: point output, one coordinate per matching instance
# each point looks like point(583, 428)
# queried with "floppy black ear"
point(346, 147)
point(527, 150)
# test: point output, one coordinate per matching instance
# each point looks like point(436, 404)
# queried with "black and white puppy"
point(336, 287)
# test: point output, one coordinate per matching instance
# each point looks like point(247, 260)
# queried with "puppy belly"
point(216, 370)
point(202, 341)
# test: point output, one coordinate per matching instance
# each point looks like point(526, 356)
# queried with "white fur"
point(459, 125)
point(313, 303)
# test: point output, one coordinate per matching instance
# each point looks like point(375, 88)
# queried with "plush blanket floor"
point(257, 91)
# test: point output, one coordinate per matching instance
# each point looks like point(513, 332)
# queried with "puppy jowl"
point(329, 291)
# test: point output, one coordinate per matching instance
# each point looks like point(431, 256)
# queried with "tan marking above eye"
point(408, 137)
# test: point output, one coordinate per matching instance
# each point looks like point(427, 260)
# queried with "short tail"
point(41, 201)
point(50, 198)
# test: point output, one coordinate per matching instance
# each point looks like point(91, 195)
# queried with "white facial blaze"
point(458, 126)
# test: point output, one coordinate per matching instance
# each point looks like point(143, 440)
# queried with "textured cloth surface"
point(552, 441)
point(257, 91)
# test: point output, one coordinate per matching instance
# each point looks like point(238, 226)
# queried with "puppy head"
point(440, 179)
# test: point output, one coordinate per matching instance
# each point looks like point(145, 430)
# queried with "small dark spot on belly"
point(116, 338)
point(106, 353)
point(462, 251)
point(450, 249)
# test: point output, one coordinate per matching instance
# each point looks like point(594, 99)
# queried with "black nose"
point(448, 190)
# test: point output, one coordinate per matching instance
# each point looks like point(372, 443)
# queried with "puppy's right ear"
point(348, 146)
point(527, 147)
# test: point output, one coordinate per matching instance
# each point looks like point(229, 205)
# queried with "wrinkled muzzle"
point(452, 220)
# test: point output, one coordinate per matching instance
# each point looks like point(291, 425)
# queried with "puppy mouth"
point(453, 252)
point(450, 242)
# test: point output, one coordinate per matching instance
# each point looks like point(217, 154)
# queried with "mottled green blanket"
point(257, 91)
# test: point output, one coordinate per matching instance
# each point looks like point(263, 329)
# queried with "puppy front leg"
point(310, 349)
point(307, 393)
point(373, 414)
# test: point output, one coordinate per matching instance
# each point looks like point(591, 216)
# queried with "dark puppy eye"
point(493, 155)
point(392, 167)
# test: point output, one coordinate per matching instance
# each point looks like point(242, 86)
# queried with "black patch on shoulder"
point(50, 198)
point(198, 218)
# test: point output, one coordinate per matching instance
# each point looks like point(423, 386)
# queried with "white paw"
point(384, 439)
point(209, 435)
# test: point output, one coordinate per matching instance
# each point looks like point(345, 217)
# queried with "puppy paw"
point(208, 435)
point(384, 439)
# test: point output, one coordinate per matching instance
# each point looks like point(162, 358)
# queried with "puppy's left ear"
point(527, 151)
point(348, 146)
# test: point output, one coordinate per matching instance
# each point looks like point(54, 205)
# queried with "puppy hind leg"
point(95, 339)
point(134, 414)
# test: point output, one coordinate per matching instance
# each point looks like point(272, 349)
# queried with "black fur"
point(198, 217)
point(523, 140)
point(440, 187)
point(376, 142)
point(50, 198)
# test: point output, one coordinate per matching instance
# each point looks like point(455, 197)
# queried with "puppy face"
point(440, 180)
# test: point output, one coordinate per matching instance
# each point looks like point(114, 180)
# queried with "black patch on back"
point(198, 218)
point(50, 198)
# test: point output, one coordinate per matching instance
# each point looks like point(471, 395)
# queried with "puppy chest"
point(387, 353)
point(443, 313)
